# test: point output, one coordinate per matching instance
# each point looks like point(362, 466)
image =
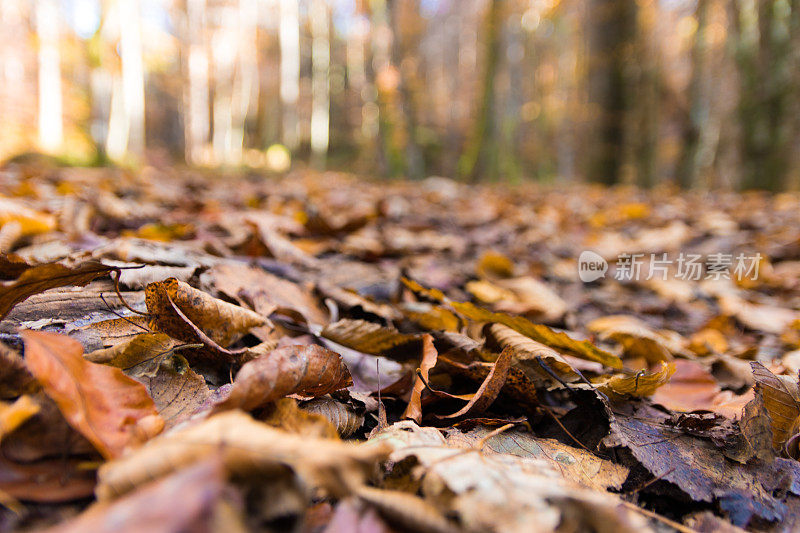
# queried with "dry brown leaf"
point(574, 464)
point(499, 492)
point(427, 361)
point(526, 353)
point(366, 337)
point(177, 392)
point(494, 265)
point(524, 295)
point(489, 389)
point(247, 448)
point(431, 317)
point(640, 385)
point(110, 409)
point(345, 419)
point(42, 277)
point(781, 399)
point(139, 356)
point(308, 370)
point(538, 332)
point(262, 291)
point(223, 322)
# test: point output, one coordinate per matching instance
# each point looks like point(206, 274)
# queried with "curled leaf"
point(107, 407)
point(308, 370)
point(223, 322)
point(48, 276)
point(427, 361)
point(640, 385)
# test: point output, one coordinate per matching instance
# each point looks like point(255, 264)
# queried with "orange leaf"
point(99, 401)
point(428, 361)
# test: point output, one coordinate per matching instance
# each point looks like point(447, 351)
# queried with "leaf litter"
point(412, 360)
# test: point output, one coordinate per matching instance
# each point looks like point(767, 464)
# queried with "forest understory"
point(314, 352)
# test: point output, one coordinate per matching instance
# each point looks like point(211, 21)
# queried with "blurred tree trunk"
point(197, 120)
point(245, 82)
point(387, 80)
point(405, 28)
point(698, 113)
point(764, 55)
point(51, 130)
point(643, 136)
point(480, 142)
point(289, 36)
point(320, 80)
point(611, 37)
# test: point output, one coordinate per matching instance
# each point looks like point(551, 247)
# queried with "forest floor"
point(183, 352)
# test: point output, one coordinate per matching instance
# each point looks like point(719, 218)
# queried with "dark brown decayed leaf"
point(42, 277)
point(427, 361)
point(101, 402)
point(15, 378)
point(781, 399)
point(308, 370)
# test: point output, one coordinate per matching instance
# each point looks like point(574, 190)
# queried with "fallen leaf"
point(99, 401)
point(345, 419)
point(781, 400)
point(489, 389)
point(527, 353)
point(367, 337)
point(247, 448)
point(42, 277)
point(636, 338)
point(538, 332)
point(427, 361)
point(639, 385)
point(141, 355)
point(223, 322)
point(308, 370)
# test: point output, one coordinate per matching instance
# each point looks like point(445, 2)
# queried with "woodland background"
point(697, 93)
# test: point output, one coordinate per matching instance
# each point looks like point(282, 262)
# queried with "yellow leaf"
point(538, 332)
point(639, 385)
point(13, 415)
point(31, 222)
point(366, 337)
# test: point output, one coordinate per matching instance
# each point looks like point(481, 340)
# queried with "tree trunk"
point(611, 37)
point(51, 130)
point(476, 150)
